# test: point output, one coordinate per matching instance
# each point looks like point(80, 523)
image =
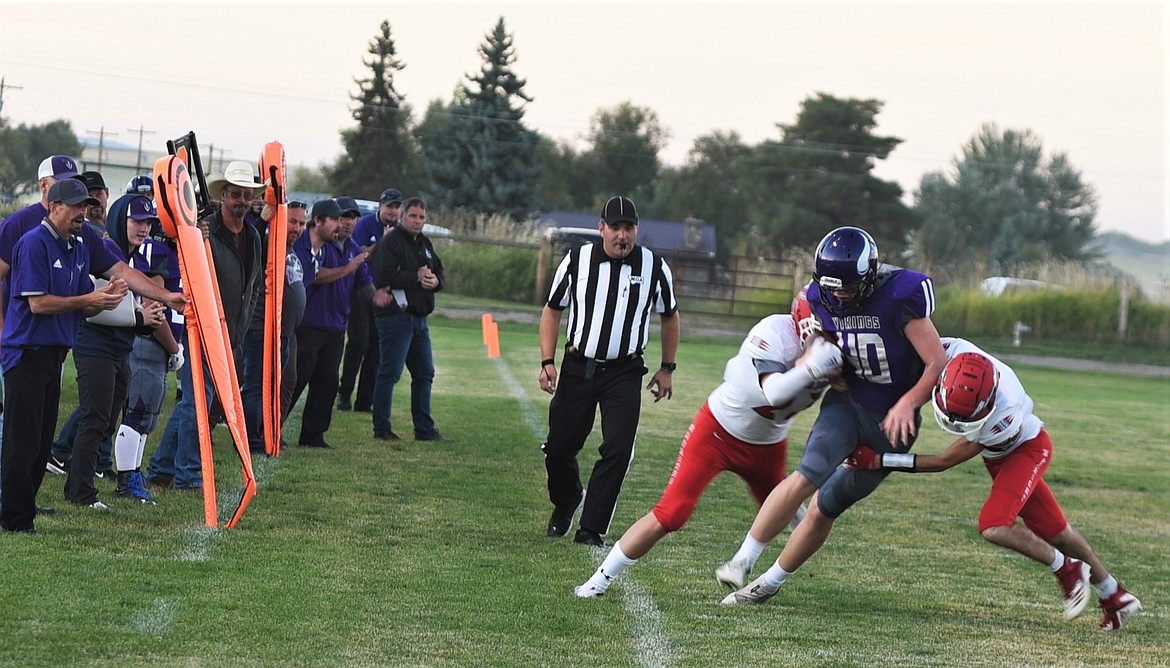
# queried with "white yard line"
point(651, 644)
point(196, 545)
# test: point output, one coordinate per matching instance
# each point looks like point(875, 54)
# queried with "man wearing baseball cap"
point(360, 363)
point(331, 275)
point(602, 366)
point(96, 215)
point(102, 262)
point(51, 291)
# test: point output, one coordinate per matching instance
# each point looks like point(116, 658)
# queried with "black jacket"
point(397, 259)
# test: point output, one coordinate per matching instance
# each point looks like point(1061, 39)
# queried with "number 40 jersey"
point(881, 365)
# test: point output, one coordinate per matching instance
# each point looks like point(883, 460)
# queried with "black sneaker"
point(387, 436)
point(433, 436)
point(587, 537)
point(316, 444)
point(56, 466)
point(343, 404)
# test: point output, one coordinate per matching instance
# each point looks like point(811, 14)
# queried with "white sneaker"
point(588, 591)
point(800, 513)
point(98, 505)
point(757, 591)
point(732, 574)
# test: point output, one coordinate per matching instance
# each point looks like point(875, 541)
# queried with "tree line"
point(1001, 203)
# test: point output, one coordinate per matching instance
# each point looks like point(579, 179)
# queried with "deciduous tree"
point(1004, 203)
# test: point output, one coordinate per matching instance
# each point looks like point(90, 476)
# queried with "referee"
point(609, 289)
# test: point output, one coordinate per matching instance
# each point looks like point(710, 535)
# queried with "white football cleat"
point(757, 591)
point(588, 591)
point(732, 574)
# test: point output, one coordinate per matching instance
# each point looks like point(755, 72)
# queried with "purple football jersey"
point(881, 365)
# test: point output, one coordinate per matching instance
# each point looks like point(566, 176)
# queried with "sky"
point(1089, 79)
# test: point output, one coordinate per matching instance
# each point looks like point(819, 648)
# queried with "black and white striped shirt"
point(610, 301)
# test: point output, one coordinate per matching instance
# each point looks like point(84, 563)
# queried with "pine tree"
point(480, 157)
point(379, 151)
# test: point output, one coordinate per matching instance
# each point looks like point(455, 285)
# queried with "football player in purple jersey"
point(880, 317)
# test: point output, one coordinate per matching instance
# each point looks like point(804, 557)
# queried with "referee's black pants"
point(617, 389)
point(319, 354)
point(30, 422)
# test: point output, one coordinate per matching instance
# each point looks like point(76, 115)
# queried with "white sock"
point(126, 449)
point(615, 562)
point(775, 576)
point(1106, 587)
point(750, 551)
point(1057, 560)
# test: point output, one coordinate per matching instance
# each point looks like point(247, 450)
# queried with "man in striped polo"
point(609, 288)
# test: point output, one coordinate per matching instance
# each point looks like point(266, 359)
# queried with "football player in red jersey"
point(979, 399)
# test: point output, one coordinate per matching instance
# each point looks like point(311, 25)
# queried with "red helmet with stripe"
point(965, 394)
point(807, 324)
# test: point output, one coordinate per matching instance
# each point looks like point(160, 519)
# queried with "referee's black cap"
point(619, 209)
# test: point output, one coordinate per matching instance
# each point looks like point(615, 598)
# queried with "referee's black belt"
point(570, 351)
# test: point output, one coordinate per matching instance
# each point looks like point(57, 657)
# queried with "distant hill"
point(1148, 263)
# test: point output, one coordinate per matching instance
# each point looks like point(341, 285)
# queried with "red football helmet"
point(807, 324)
point(965, 394)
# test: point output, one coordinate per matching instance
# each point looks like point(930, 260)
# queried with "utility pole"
point(211, 156)
point(3, 87)
point(101, 143)
point(140, 131)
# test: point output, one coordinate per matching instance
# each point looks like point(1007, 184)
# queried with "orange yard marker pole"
point(486, 321)
point(491, 332)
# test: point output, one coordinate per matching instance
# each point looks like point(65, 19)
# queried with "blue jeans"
point(178, 452)
point(252, 392)
point(404, 340)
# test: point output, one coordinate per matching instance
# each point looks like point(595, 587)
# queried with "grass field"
point(434, 554)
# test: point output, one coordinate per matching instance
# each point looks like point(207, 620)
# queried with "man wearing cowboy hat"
point(239, 269)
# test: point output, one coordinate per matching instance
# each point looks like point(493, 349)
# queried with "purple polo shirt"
point(368, 230)
point(43, 264)
point(327, 306)
point(101, 259)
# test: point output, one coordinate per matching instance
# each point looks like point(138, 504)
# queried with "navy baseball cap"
point(58, 167)
point(390, 196)
point(326, 208)
point(71, 192)
point(141, 208)
point(619, 209)
point(348, 205)
point(92, 180)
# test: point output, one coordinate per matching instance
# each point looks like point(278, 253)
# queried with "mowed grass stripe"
point(652, 647)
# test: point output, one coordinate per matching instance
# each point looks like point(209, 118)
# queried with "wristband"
point(669, 366)
point(899, 461)
point(546, 362)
